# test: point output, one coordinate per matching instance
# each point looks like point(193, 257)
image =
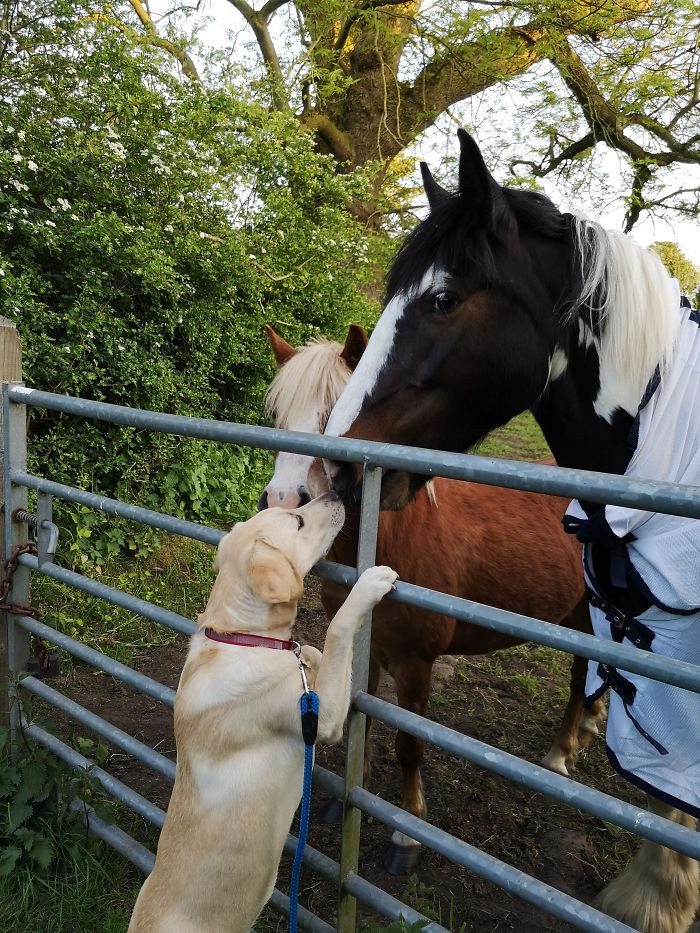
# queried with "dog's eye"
point(300, 521)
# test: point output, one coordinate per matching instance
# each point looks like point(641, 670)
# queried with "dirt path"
point(513, 700)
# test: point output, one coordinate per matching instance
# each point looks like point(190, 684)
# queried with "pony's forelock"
point(630, 302)
point(310, 381)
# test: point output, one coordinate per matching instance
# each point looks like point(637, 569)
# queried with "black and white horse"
point(498, 303)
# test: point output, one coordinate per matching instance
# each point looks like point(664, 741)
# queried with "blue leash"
point(309, 729)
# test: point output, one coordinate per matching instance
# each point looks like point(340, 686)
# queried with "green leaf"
point(17, 813)
point(104, 812)
point(34, 779)
point(8, 860)
point(42, 852)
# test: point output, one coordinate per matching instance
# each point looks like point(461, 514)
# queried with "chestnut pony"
point(465, 539)
point(497, 303)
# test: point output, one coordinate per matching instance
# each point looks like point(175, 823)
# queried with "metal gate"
point(595, 487)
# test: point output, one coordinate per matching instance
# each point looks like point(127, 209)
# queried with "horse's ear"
point(477, 186)
point(282, 350)
point(355, 344)
point(436, 193)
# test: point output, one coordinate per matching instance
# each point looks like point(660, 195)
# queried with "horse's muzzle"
point(398, 487)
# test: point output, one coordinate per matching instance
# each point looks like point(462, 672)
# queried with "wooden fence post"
point(14, 642)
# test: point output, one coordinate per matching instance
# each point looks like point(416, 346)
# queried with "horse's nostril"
point(262, 501)
point(304, 497)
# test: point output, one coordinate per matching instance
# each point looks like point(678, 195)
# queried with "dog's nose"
point(262, 501)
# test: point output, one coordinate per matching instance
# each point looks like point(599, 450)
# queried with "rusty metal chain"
point(9, 567)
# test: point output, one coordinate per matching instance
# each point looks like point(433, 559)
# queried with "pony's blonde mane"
point(632, 303)
point(310, 381)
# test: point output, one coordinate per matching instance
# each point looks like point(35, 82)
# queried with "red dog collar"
point(247, 640)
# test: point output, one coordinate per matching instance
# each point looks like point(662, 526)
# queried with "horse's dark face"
point(469, 333)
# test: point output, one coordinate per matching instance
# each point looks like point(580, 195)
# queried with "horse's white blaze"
point(364, 379)
point(292, 470)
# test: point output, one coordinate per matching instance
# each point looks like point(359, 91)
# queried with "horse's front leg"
point(659, 891)
point(332, 812)
point(372, 686)
point(412, 679)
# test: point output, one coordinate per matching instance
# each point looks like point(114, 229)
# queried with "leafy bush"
point(37, 828)
point(148, 228)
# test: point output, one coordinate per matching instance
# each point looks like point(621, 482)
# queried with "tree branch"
point(338, 142)
point(355, 14)
point(151, 38)
point(258, 20)
point(608, 125)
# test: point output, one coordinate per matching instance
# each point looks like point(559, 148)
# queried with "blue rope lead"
point(309, 728)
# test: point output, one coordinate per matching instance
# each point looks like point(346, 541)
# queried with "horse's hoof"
point(402, 859)
point(332, 813)
point(556, 761)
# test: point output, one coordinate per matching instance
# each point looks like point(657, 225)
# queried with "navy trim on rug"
point(639, 584)
point(648, 789)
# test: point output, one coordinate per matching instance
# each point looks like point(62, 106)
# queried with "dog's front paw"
point(373, 585)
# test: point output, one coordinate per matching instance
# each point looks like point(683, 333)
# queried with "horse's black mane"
point(452, 239)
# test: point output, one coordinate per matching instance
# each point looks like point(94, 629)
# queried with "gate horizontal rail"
point(596, 487)
point(669, 498)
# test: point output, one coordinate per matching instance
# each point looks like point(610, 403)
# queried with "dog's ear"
point(271, 574)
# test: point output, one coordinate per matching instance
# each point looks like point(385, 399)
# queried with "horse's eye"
point(444, 302)
point(300, 522)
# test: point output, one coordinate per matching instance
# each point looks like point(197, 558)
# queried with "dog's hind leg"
point(659, 891)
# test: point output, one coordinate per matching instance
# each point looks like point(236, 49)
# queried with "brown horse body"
point(498, 546)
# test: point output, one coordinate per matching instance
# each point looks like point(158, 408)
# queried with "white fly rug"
point(666, 554)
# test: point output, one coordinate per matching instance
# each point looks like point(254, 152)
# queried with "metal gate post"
point(355, 754)
point(14, 641)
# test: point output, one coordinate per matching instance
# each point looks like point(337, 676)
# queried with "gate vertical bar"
point(14, 642)
point(355, 755)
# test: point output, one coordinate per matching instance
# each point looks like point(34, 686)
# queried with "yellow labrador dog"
point(240, 753)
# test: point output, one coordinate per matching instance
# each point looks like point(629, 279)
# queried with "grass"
point(96, 892)
point(520, 439)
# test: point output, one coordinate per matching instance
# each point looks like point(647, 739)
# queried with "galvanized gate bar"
point(363, 890)
point(140, 607)
point(566, 790)
point(670, 498)
point(136, 513)
point(307, 920)
point(116, 788)
point(128, 675)
point(511, 879)
point(125, 844)
point(595, 487)
point(101, 727)
point(654, 666)
point(355, 754)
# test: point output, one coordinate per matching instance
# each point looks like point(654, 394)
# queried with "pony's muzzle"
point(345, 480)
